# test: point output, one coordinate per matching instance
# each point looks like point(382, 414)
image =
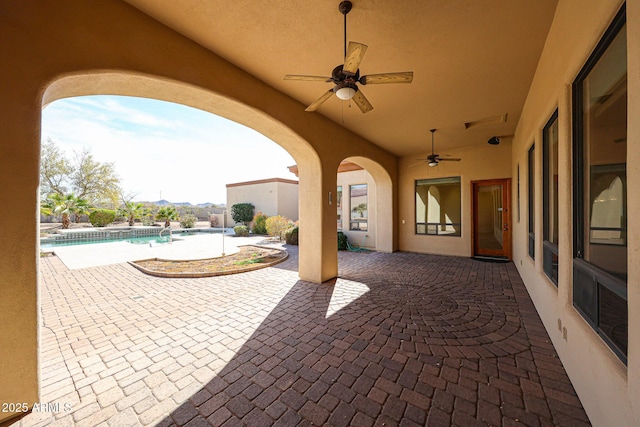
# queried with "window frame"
point(351, 222)
point(531, 197)
point(427, 224)
point(339, 207)
point(549, 249)
point(589, 281)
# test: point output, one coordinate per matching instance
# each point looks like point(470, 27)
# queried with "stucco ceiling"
point(472, 59)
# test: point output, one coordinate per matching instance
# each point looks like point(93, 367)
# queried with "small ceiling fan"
point(346, 77)
point(433, 159)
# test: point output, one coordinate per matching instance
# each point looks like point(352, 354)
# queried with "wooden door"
point(491, 234)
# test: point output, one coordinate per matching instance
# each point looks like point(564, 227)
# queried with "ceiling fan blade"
point(403, 77)
point(362, 102)
point(355, 53)
point(416, 164)
point(448, 159)
point(306, 78)
point(319, 101)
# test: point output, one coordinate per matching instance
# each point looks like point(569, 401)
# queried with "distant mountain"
point(164, 202)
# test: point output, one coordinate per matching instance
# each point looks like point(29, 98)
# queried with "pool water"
point(134, 240)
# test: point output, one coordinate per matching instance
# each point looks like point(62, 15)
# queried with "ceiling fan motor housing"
point(345, 7)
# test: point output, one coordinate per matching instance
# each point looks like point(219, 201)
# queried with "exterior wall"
point(363, 238)
point(608, 390)
point(270, 196)
point(478, 163)
point(288, 200)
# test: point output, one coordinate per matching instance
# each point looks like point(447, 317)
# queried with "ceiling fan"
point(346, 77)
point(433, 159)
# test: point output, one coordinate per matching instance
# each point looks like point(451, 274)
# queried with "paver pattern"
point(398, 339)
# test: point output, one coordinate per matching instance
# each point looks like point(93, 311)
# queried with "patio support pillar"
point(19, 175)
point(318, 257)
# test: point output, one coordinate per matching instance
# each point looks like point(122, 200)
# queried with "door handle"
point(506, 227)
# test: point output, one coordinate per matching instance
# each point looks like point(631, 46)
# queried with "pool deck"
point(196, 246)
point(398, 339)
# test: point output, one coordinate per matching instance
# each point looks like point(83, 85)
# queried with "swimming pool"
point(133, 240)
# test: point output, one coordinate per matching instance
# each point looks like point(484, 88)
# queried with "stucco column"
point(19, 163)
point(318, 258)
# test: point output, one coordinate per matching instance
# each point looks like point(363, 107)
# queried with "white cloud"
point(159, 147)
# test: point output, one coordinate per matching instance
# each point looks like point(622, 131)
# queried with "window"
point(518, 191)
point(600, 188)
point(438, 206)
point(339, 206)
point(359, 215)
point(531, 188)
point(550, 198)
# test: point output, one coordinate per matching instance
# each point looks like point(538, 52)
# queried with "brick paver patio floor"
point(399, 339)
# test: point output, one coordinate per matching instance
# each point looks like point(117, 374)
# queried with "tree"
point(242, 212)
point(82, 208)
point(84, 176)
point(65, 205)
point(361, 209)
point(132, 211)
point(93, 180)
point(168, 213)
point(54, 170)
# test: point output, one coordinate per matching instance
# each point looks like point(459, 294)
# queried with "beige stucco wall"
point(50, 50)
point(478, 163)
point(288, 200)
point(609, 391)
point(272, 198)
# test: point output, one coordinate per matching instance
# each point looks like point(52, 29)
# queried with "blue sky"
point(186, 154)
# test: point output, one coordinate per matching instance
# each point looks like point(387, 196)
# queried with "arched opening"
point(364, 205)
point(160, 89)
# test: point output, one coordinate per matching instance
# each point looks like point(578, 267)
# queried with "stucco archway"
point(383, 218)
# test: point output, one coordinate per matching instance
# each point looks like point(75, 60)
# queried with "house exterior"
point(273, 196)
point(559, 186)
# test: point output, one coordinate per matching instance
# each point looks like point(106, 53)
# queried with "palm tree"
point(132, 211)
point(168, 213)
point(361, 209)
point(65, 205)
point(82, 208)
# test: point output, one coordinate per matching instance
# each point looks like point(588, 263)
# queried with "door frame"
point(506, 214)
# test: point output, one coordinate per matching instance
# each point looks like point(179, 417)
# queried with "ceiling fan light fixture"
point(345, 93)
point(433, 163)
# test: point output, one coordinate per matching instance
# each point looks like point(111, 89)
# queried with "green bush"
point(102, 217)
point(242, 212)
point(277, 226)
point(291, 236)
point(260, 223)
point(342, 241)
point(241, 230)
point(188, 221)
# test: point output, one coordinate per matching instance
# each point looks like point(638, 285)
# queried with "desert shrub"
point(188, 221)
point(260, 223)
point(102, 217)
point(291, 236)
point(213, 220)
point(277, 226)
point(241, 230)
point(342, 241)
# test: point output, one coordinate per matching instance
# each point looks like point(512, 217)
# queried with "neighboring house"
point(273, 196)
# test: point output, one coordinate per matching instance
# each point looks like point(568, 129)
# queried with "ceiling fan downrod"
point(345, 7)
